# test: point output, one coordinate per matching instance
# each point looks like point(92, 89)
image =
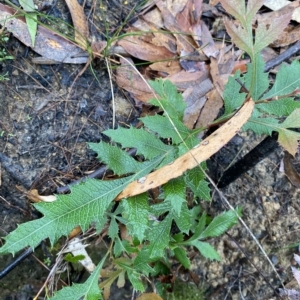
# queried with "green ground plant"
point(163, 229)
point(4, 55)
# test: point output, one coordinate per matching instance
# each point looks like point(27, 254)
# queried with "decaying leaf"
point(128, 78)
point(149, 296)
point(137, 47)
point(76, 247)
point(285, 5)
point(79, 22)
point(34, 196)
point(192, 158)
point(47, 43)
point(211, 108)
point(290, 171)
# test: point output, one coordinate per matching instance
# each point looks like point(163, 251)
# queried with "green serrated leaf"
point(206, 250)
point(281, 107)
point(136, 281)
point(267, 32)
point(220, 224)
point(195, 180)
point(288, 139)
point(141, 262)
point(236, 8)
point(258, 82)
point(233, 99)
point(287, 80)
point(123, 246)
point(175, 194)
point(170, 101)
point(136, 211)
point(166, 128)
point(87, 203)
point(182, 257)
point(159, 237)
point(86, 291)
point(115, 158)
point(240, 36)
point(261, 125)
point(146, 143)
point(183, 221)
point(113, 229)
point(198, 230)
point(292, 121)
point(253, 7)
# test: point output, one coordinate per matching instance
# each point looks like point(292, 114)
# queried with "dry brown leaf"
point(183, 38)
point(203, 38)
point(290, 35)
point(149, 296)
point(79, 22)
point(195, 99)
point(184, 80)
point(211, 108)
point(34, 196)
point(192, 158)
point(153, 17)
point(192, 112)
point(277, 5)
point(222, 67)
point(290, 171)
point(214, 2)
point(137, 47)
point(128, 79)
point(166, 67)
point(47, 43)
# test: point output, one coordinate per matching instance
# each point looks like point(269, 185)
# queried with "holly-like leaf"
point(159, 237)
point(136, 211)
point(170, 101)
point(146, 144)
point(183, 220)
point(233, 99)
point(113, 228)
point(195, 180)
point(287, 80)
point(86, 291)
point(175, 194)
point(115, 158)
point(87, 203)
point(167, 128)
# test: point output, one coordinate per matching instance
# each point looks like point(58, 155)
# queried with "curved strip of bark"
point(192, 158)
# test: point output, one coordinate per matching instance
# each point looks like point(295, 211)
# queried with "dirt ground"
point(46, 122)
